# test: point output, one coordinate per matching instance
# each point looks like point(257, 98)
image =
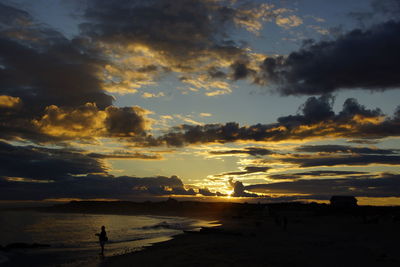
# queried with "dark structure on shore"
point(343, 201)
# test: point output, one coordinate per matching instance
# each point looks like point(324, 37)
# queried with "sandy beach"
point(308, 240)
point(276, 234)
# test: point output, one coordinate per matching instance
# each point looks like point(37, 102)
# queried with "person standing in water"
point(102, 239)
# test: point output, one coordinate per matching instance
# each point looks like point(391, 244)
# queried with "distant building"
point(343, 201)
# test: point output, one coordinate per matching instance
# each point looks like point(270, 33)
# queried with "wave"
point(125, 240)
point(166, 225)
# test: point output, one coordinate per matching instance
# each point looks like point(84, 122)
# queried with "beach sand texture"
point(307, 241)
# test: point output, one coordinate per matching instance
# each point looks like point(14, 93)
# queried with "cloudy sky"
point(213, 99)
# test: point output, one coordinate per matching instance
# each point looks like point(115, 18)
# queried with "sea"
point(72, 237)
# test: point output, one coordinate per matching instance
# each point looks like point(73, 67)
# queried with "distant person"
point(102, 239)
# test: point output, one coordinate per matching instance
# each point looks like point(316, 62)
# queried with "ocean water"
point(72, 237)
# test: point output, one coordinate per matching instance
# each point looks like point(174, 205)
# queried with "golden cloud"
point(88, 121)
point(9, 101)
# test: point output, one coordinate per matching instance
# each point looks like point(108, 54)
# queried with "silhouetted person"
point(102, 239)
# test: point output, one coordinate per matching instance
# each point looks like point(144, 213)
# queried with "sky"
point(200, 99)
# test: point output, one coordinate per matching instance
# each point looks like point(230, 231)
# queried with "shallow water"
point(72, 236)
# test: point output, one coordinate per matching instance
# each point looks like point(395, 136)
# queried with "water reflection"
point(72, 236)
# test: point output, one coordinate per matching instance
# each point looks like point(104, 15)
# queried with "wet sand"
point(260, 241)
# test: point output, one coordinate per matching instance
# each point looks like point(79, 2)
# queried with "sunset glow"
point(261, 101)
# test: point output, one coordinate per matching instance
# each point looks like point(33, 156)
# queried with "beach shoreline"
point(41, 245)
point(280, 235)
point(304, 240)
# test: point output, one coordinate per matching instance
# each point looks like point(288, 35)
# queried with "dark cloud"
point(44, 163)
point(216, 73)
point(46, 69)
point(314, 110)
point(349, 160)
point(181, 33)
point(384, 185)
point(334, 155)
point(363, 141)
point(299, 175)
point(32, 172)
point(247, 170)
point(52, 88)
point(343, 149)
point(13, 16)
point(251, 169)
point(135, 155)
point(316, 119)
point(389, 8)
point(239, 189)
point(206, 192)
point(221, 133)
point(126, 121)
point(124, 45)
point(362, 59)
point(320, 109)
point(241, 70)
point(351, 107)
point(61, 95)
point(93, 186)
point(85, 122)
point(254, 151)
point(184, 24)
